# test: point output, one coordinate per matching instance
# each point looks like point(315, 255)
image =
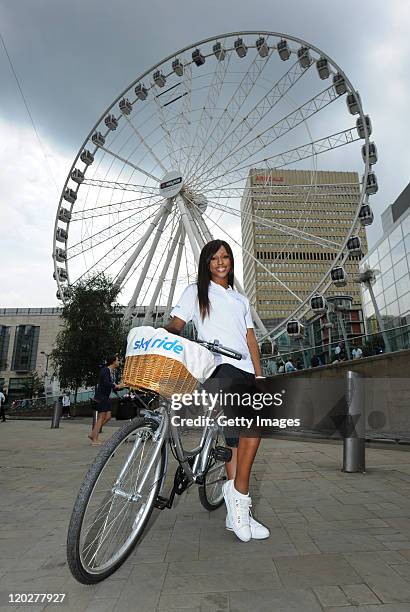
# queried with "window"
point(400, 269)
point(395, 237)
point(397, 252)
point(25, 348)
point(4, 345)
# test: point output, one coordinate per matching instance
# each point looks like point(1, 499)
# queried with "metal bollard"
point(354, 449)
point(55, 421)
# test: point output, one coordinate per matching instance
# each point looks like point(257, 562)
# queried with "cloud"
point(28, 209)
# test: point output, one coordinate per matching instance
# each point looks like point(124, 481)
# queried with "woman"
point(105, 385)
point(220, 312)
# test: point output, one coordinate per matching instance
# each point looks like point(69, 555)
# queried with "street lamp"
point(47, 356)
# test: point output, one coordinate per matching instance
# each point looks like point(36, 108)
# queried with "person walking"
point(66, 402)
point(2, 409)
point(357, 352)
point(219, 311)
point(289, 365)
point(106, 384)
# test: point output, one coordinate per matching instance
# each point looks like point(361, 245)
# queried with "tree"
point(92, 330)
point(33, 385)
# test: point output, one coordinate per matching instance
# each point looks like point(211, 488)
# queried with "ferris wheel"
point(170, 164)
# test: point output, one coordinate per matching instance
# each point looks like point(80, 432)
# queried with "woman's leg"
point(101, 419)
point(246, 454)
point(231, 466)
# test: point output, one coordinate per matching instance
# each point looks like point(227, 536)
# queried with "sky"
point(73, 58)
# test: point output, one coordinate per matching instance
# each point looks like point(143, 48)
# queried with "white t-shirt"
point(2, 398)
point(66, 400)
point(228, 321)
point(357, 353)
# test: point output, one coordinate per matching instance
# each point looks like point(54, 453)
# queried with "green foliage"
point(92, 331)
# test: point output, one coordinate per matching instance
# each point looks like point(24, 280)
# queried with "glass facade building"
point(391, 256)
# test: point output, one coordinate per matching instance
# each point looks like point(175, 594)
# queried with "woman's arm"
point(254, 351)
point(175, 326)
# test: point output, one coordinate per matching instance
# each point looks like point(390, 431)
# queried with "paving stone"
point(331, 596)
point(316, 570)
point(346, 537)
point(386, 583)
point(278, 600)
point(359, 594)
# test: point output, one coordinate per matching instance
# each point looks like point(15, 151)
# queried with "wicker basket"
point(158, 373)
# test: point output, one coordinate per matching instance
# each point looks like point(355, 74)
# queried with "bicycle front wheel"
point(210, 492)
point(115, 501)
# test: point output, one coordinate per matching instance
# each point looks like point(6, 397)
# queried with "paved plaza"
point(339, 542)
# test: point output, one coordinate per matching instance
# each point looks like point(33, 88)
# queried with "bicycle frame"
point(193, 462)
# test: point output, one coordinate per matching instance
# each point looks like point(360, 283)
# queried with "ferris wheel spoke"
point(80, 243)
point(207, 112)
point(181, 243)
point(113, 249)
point(186, 111)
point(145, 143)
point(228, 191)
point(295, 155)
point(117, 211)
point(231, 110)
point(165, 212)
point(257, 261)
point(263, 107)
point(281, 227)
point(72, 253)
point(102, 183)
point(270, 135)
point(129, 163)
point(161, 104)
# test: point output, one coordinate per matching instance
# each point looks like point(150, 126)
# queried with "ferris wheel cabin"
point(318, 303)
point(366, 216)
point(339, 276)
point(295, 329)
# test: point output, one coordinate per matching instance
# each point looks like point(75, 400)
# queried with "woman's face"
point(220, 265)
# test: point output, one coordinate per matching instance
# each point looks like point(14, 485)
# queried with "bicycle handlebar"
point(216, 347)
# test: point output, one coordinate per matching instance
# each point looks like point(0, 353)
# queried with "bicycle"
point(134, 462)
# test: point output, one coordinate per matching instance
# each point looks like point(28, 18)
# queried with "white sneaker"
point(258, 531)
point(237, 506)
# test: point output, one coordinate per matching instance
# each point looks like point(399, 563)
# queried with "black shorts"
point(228, 379)
point(102, 405)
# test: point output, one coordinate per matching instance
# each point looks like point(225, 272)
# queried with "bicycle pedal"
point(222, 453)
point(161, 502)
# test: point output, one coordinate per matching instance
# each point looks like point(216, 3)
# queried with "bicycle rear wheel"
point(110, 514)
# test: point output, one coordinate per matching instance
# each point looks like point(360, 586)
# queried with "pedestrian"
point(281, 367)
point(289, 365)
point(315, 361)
point(106, 384)
point(357, 352)
point(66, 402)
point(219, 311)
point(2, 409)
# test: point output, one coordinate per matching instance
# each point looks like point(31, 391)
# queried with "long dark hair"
point(204, 274)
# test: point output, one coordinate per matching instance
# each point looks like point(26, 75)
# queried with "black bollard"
point(55, 421)
point(354, 449)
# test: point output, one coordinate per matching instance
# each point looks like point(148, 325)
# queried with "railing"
point(40, 404)
point(371, 344)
